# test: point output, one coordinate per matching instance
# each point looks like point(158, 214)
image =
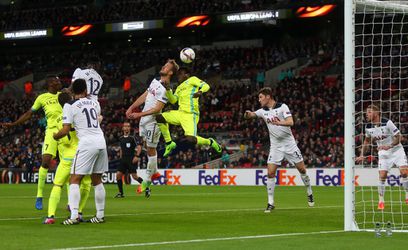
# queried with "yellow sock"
point(67, 186)
point(85, 189)
point(42, 175)
point(55, 197)
point(203, 141)
point(164, 128)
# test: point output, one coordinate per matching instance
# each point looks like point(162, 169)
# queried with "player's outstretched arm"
point(156, 109)
point(249, 114)
point(23, 118)
point(139, 101)
point(63, 132)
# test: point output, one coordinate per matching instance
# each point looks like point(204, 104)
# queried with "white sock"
point(306, 181)
point(404, 183)
point(73, 200)
point(270, 188)
point(10, 176)
point(100, 200)
point(381, 190)
point(151, 166)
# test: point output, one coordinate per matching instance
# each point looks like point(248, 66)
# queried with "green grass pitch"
point(185, 217)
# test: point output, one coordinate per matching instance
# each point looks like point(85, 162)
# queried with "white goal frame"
point(349, 102)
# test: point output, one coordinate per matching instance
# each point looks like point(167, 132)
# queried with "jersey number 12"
point(98, 86)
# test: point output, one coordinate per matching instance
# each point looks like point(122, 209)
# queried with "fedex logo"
point(222, 178)
point(332, 180)
point(282, 178)
point(168, 178)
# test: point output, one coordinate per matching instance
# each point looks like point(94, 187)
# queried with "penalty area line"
point(201, 240)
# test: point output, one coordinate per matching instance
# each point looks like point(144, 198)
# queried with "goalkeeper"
point(187, 115)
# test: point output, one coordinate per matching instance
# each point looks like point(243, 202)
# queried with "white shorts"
point(90, 161)
point(290, 152)
point(150, 132)
point(387, 160)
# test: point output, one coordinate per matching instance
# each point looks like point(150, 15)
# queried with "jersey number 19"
point(91, 117)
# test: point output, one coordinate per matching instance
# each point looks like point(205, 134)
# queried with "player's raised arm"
point(139, 101)
point(200, 84)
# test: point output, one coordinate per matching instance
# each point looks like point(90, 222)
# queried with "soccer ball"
point(187, 55)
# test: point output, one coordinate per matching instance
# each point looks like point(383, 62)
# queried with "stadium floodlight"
point(376, 72)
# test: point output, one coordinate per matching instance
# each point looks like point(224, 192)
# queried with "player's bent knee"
point(189, 139)
point(151, 151)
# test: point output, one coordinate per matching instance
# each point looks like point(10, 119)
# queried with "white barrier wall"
point(255, 177)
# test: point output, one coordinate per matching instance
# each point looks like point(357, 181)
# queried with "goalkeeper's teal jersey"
point(184, 94)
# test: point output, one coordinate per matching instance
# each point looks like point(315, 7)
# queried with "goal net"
point(380, 77)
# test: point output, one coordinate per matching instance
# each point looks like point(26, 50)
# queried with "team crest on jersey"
point(128, 144)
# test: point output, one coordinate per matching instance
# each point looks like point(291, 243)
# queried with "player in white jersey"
point(390, 150)
point(154, 99)
point(91, 156)
point(93, 80)
point(283, 145)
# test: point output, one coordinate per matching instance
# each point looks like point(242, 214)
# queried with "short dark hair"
point(79, 86)
point(266, 91)
point(185, 70)
point(63, 98)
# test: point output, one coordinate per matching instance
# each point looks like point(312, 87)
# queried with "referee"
point(129, 156)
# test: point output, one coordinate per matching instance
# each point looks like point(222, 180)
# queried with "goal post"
point(375, 72)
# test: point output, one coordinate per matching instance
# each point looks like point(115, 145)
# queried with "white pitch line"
point(182, 212)
point(201, 240)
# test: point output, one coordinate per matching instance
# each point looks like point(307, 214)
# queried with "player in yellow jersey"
point(53, 113)
point(187, 95)
point(66, 155)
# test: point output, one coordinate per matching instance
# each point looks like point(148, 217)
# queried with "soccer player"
point(188, 113)
point(390, 150)
point(93, 80)
point(129, 153)
point(283, 145)
point(66, 156)
point(53, 113)
point(91, 155)
point(155, 99)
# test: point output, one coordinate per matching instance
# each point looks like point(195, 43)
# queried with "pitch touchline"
point(202, 240)
point(182, 212)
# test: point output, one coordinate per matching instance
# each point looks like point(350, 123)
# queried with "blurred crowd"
point(46, 14)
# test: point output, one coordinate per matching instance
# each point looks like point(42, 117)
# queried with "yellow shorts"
point(67, 154)
point(50, 146)
point(188, 121)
